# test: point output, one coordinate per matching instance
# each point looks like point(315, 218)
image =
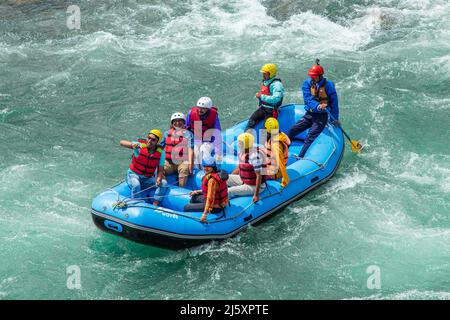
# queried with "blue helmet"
point(208, 161)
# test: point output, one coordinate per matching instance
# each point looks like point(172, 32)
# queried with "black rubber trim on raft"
point(172, 240)
point(149, 238)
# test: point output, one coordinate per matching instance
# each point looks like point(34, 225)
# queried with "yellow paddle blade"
point(356, 146)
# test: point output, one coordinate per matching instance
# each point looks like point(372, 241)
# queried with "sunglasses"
point(152, 139)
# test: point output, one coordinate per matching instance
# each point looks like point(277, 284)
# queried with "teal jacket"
point(276, 94)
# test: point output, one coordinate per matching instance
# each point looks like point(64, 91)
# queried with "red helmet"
point(316, 70)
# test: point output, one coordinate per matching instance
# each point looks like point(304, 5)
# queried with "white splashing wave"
point(4, 111)
point(59, 77)
point(13, 175)
point(444, 63)
point(6, 50)
point(408, 295)
point(446, 185)
point(209, 25)
point(430, 7)
point(417, 294)
point(399, 223)
point(429, 170)
point(94, 41)
point(211, 28)
point(348, 181)
point(6, 282)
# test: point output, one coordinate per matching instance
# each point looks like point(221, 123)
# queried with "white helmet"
point(177, 115)
point(204, 102)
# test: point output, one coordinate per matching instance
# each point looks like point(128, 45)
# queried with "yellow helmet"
point(272, 124)
point(270, 68)
point(157, 133)
point(247, 139)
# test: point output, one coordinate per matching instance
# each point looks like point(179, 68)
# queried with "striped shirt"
point(256, 160)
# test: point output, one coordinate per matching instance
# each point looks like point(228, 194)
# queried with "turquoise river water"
point(68, 95)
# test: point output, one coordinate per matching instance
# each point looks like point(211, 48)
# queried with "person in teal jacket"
point(270, 96)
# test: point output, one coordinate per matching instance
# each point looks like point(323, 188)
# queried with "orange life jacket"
point(319, 95)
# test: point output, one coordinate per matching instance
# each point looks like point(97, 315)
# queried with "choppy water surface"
point(68, 96)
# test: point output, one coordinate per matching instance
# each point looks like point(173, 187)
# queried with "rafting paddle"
point(355, 144)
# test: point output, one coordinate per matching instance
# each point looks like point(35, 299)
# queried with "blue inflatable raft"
point(168, 226)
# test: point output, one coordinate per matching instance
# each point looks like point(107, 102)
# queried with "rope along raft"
point(140, 202)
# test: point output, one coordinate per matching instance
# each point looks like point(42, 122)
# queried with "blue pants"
point(260, 114)
point(315, 121)
point(138, 183)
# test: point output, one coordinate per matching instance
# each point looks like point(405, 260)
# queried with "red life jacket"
point(265, 89)
point(145, 163)
point(247, 171)
point(175, 137)
point(208, 123)
point(221, 195)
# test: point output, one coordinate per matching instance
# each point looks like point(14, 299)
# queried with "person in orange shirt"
point(214, 191)
point(277, 152)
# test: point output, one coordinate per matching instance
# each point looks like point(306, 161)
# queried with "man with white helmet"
point(203, 121)
point(178, 143)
